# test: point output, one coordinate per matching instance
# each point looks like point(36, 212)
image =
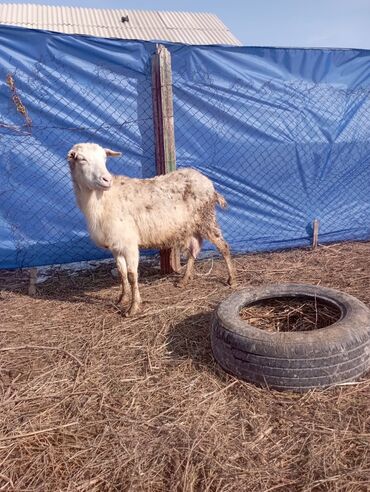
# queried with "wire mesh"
point(284, 149)
point(56, 106)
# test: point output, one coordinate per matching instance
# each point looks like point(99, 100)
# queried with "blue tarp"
point(75, 89)
point(283, 133)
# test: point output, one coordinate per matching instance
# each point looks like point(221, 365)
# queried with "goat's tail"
point(220, 200)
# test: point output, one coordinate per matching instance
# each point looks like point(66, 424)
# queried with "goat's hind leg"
point(214, 235)
point(195, 245)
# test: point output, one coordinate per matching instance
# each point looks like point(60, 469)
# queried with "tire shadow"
point(191, 339)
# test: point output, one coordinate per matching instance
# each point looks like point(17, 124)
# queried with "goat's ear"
point(72, 154)
point(112, 153)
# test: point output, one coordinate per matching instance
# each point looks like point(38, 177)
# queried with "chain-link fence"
point(284, 135)
point(56, 95)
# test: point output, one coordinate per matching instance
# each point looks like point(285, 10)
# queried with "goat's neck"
point(91, 203)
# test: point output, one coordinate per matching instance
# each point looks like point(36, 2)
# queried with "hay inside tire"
point(293, 360)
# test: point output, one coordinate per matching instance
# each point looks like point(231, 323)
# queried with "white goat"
point(125, 214)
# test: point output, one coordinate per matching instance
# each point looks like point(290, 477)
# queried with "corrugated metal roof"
point(185, 27)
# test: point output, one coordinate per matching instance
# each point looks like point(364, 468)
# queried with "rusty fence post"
point(165, 150)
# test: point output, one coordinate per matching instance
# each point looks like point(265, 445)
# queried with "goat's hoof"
point(183, 282)
point(123, 299)
point(232, 282)
point(134, 309)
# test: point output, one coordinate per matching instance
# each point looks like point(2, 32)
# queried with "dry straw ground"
point(288, 314)
point(91, 401)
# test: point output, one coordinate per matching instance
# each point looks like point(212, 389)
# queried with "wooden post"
point(165, 151)
point(32, 283)
point(315, 236)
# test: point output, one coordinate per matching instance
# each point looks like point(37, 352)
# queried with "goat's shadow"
point(84, 286)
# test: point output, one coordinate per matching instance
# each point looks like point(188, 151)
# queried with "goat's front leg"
point(122, 269)
point(132, 261)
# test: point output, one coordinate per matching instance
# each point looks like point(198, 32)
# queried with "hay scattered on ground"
point(92, 401)
point(290, 314)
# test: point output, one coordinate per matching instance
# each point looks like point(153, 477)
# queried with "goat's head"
point(87, 162)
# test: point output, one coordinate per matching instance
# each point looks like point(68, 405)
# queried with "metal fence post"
point(165, 151)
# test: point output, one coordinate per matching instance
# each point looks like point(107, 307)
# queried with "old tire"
point(297, 361)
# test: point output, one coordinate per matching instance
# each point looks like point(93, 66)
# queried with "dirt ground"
point(93, 401)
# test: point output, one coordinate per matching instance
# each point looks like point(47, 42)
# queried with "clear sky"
point(325, 23)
